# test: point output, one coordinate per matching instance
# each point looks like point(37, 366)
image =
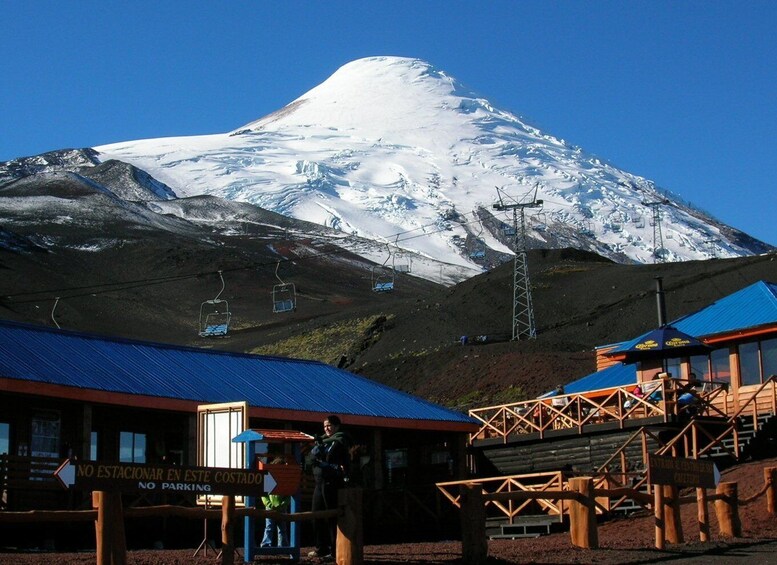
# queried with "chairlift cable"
point(120, 286)
point(223, 286)
point(53, 319)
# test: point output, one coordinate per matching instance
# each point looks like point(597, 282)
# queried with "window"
point(44, 439)
point(396, 466)
point(217, 425)
point(719, 363)
point(672, 366)
point(93, 446)
point(749, 364)
point(5, 438)
point(769, 357)
point(132, 447)
point(700, 366)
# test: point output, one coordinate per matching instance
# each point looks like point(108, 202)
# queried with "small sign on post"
point(670, 473)
point(679, 471)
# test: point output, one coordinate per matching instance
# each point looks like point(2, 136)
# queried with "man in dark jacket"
point(331, 460)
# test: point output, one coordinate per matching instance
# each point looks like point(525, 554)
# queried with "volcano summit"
point(394, 150)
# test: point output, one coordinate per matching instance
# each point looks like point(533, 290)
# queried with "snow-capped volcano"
point(394, 150)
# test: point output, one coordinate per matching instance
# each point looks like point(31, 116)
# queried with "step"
point(531, 526)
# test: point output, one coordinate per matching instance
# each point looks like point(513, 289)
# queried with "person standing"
point(331, 462)
point(275, 531)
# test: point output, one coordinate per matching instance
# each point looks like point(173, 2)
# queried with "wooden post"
point(727, 510)
point(582, 514)
point(658, 511)
point(227, 530)
point(103, 546)
point(350, 536)
point(474, 545)
point(770, 477)
point(118, 540)
point(703, 514)
point(109, 529)
point(672, 523)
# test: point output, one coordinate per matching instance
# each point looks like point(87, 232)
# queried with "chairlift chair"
point(383, 276)
point(542, 221)
point(403, 262)
point(215, 315)
point(284, 295)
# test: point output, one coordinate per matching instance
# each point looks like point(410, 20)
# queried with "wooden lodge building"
point(708, 390)
point(71, 395)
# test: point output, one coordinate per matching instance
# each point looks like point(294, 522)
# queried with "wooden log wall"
point(582, 453)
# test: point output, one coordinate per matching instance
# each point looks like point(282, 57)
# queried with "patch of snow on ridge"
point(390, 144)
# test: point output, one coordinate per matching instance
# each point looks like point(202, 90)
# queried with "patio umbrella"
point(661, 343)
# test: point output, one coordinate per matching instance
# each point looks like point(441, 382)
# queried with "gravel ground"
point(626, 540)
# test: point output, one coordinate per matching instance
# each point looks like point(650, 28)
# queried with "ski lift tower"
point(523, 311)
point(658, 238)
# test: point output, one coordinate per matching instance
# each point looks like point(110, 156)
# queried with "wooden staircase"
point(751, 436)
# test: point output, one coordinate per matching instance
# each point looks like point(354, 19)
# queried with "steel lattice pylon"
point(658, 238)
point(523, 311)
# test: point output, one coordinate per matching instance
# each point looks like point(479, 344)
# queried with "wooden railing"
point(758, 402)
point(582, 495)
point(534, 482)
point(617, 406)
point(109, 515)
point(694, 441)
point(25, 472)
point(514, 495)
point(22, 473)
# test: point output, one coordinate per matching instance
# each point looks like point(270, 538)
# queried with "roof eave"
point(756, 331)
point(190, 406)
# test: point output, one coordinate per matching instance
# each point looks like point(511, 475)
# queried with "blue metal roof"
point(46, 355)
point(751, 307)
point(613, 376)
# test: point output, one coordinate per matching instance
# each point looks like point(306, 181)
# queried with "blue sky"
point(682, 92)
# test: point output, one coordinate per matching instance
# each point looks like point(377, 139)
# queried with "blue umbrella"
point(663, 342)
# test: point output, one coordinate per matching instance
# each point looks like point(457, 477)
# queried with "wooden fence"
point(582, 496)
point(109, 516)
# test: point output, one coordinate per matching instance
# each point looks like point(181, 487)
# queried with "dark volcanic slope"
point(580, 302)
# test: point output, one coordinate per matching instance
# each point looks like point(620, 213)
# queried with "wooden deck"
point(663, 401)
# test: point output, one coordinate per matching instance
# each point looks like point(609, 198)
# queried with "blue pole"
point(294, 537)
point(249, 526)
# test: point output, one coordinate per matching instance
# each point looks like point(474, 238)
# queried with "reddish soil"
point(627, 540)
